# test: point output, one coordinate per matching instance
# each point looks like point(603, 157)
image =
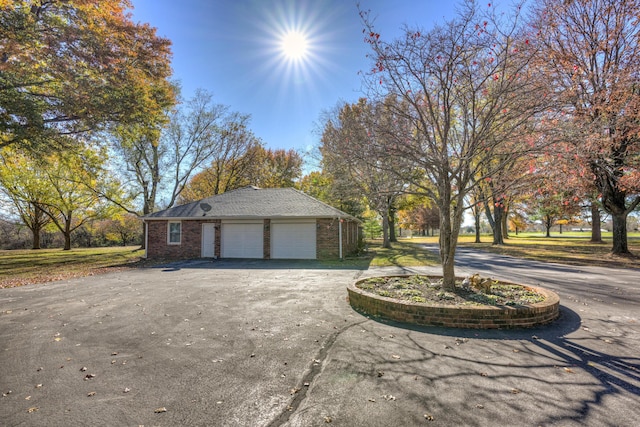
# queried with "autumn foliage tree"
point(466, 89)
point(57, 186)
point(349, 147)
point(248, 162)
point(71, 66)
point(329, 189)
point(21, 181)
point(590, 53)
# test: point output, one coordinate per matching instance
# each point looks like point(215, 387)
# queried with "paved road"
point(273, 343)
point(615, 286)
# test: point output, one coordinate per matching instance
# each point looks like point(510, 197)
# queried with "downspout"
point(340, 236)
point(146, 238)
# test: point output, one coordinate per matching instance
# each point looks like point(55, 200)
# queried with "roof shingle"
point(253, 202)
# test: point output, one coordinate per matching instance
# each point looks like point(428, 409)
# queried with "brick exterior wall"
point(266, 238)
point(327, 239)
point(190, 243)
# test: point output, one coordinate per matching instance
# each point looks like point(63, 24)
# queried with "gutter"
point(146, 237)
point(340, 235)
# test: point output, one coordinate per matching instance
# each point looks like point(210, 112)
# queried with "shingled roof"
point(253, 202)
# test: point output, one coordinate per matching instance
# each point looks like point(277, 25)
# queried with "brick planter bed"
point(454, 316)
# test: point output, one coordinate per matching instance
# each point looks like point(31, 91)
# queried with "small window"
point(175, 233)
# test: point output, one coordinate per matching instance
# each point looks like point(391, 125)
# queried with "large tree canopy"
point(590, 53)
point(69, 66)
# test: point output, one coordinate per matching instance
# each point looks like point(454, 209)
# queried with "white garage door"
point(293, 240)
point(242, 240)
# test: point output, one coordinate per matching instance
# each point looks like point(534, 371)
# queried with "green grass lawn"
point(404, 253)
point(18, 267)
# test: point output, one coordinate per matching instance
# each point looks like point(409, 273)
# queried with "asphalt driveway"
point(260, 343)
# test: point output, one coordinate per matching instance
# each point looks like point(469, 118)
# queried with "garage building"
point(252, 222)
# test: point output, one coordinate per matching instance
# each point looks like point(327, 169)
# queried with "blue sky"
point(232, 49)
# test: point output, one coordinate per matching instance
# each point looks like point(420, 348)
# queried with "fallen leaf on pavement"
point(328, 420)
point(160, 410)
point(395, 356)
point(91, 393)
point(568, 370)
point(32, 409)
point(428, 417)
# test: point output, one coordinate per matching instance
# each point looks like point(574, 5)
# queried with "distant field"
point(19, 267)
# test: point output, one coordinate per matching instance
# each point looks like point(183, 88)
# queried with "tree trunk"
point(497, 228)
point(67, 233)
point(446, 258)
point(385, 231)
point(476, 217)
point(36, 236)
point(36, 224)
point(596, 230)
point(392, 225)
point(547, 225)
point(620, 246)
point(504, 226)
point(449, 230)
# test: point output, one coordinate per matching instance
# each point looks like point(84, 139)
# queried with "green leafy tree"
point(23, 184)
point(67, 67)
point(322, 186)
point(349, 153)
point(70, 179)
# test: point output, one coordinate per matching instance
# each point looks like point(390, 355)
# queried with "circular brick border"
point(476, 317)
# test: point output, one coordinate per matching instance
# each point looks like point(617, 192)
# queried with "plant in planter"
point(475, 302)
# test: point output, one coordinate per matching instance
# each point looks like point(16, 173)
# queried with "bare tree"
point(466, 89)
point(195, 134)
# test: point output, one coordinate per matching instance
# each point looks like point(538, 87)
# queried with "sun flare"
point(294, 45)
